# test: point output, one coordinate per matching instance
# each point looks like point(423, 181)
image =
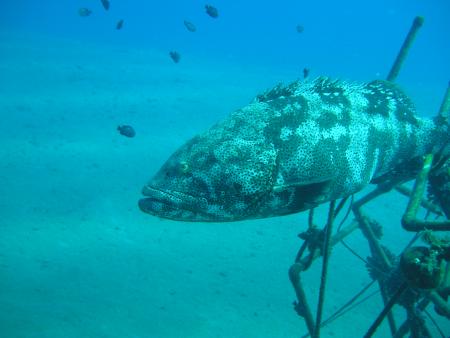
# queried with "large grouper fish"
point(293, 148)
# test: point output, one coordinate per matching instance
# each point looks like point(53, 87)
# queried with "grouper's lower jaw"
point(175, 205)
point(164, 210)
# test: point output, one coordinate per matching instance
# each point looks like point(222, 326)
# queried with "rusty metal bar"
point(401, 56)
point(424, 203)
point(386, 310)
point(326, 256)
point(301, 265)
point(376, 250)
point(302, 306)
point(445, 105)
point(409, 220)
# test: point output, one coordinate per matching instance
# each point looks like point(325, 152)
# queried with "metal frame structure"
point(420, 276)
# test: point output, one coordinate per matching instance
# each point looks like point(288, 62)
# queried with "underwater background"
point(78, 258)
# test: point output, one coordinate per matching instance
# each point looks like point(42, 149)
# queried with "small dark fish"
point(175, 56)
point(105, 4)
point(84, 12)
point(305, 72)
point(119, 24)
point(190, 26)
point(212, 11)
point(126, 130)
point(300, 29)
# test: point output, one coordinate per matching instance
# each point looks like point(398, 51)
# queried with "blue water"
point(78, 258)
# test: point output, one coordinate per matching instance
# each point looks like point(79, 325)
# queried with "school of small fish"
point(210, 10)
point(175, 56)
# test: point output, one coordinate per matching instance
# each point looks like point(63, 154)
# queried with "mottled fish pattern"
point(291, 149)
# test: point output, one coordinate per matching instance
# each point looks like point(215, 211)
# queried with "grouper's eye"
point(184, 167)
point(176, 169)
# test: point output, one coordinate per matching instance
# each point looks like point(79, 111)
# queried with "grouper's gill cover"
point(292, 148)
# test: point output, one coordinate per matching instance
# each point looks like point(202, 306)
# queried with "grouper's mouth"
point(172, 204)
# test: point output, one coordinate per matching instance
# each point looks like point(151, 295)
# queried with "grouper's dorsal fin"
point(280, 90)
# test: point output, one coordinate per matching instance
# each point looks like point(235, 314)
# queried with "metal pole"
point(386, 310)
point(326, 256)
point(417, 23)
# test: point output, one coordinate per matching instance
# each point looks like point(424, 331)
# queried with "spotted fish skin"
point(291, 149)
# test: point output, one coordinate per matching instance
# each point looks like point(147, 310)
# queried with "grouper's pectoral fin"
point(307, 195)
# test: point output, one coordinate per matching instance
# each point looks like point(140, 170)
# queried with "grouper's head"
point(212, 178)
point(270, 158)
point(225, 174)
